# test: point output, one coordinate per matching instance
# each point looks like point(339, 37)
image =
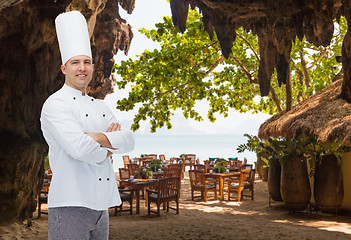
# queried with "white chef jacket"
point(82, 175)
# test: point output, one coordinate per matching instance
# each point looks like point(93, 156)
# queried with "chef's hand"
point(114, 127)
point(109, 155)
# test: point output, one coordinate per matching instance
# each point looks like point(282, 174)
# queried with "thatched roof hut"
point(325, 115)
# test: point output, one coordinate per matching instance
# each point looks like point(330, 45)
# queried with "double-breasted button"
point(92, 99)
point(74, 98)
point(86, 115)
point(103, 115)
point(100, 179)
point(108, 179)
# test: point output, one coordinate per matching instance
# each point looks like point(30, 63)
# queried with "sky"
point(146, 14)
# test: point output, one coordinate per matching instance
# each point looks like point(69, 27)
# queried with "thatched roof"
point(325, 115)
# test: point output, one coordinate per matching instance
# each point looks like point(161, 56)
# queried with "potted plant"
point(328, 178)
point(143, 174)
point(294, 185)
point(220, 166)
point(254, 144)
point(270, 151)
point(155, 165)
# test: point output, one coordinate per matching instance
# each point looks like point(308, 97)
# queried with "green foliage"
point(220, 166)
point(46, 163)
point(155, 165)
point(143, 174)
point(252, 144)
point(189, 68)
point(335, 148)
point(281, 149)
point(296, 147)
point(221, 162)
point(284, 149)
point(267, 150)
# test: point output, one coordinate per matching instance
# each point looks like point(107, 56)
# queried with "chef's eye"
point(87, 62)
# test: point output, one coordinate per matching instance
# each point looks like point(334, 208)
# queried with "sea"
point(205, 146)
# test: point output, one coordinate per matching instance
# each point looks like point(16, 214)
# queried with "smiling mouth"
point(81, 75)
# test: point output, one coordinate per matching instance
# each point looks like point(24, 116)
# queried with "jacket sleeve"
point(58, 119)
point(122, 140)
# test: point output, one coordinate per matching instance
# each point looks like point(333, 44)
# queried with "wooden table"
point(221, 177)
point(138, 185)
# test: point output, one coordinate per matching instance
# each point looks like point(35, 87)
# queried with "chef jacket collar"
point(73, 92)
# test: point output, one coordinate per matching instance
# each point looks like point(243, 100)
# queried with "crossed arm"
point(102, 139)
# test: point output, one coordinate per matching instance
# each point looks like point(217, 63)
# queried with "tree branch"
point(253, 80)
point(250, 46)
point(318, 60)
point(248, 74)
point(183, 85)
point(275, 98)
point(213, 67)
point(300, 74)
point(288, 92)
point(305, 72)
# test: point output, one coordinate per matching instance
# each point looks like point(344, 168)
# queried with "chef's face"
point(78, 72)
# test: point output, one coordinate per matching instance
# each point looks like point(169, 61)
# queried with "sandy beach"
point(248, 219)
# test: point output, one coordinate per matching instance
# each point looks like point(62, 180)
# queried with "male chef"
point(82, 133)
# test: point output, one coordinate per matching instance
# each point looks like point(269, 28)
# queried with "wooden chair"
point(173, 160)
point(162, 157)
point(190, 160)
point(237, 185)
point(151, 156)
point(137, 161)
point(235, 163)
point(126, 196)
point(249, 184)
point(172, 172)
point(207, 163)
point(126, 160)
point(200, 167)
point(179, 166)
point(43, 194)
point(124, 174)
point(146, 163)
point(133, 168)
point(245, 166)
point(165, 191)
point(199, 183)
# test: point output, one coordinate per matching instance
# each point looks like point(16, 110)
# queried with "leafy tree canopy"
point(189, 68)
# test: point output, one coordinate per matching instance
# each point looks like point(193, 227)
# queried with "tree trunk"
point(29, 72)
point(346, 63)
point(288, 92)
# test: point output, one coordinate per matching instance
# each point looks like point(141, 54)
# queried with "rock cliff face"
point(29, 73)
point(276, 23)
